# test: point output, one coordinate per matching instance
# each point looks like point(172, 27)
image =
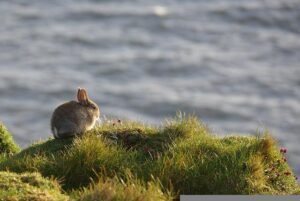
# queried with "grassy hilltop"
point(133, 161)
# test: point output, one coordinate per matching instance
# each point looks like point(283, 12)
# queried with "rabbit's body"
point(74, 117)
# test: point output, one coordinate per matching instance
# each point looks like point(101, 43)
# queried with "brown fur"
point(74, 117)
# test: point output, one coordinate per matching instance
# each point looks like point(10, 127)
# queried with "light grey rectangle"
point(239, 198)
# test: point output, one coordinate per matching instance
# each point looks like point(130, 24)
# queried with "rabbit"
point(73, 118)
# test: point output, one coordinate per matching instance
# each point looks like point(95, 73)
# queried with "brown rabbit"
point(72, 118)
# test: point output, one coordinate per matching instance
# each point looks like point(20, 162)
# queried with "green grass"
point(7, 145)
point(180, 157)
point(29, 187)
point(118, 190)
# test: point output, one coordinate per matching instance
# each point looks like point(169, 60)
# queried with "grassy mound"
point(29, 187)
point(7, 145)
point(116, 189)
point(181, 157)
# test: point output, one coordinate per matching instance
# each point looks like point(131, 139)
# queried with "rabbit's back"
point(69, 119)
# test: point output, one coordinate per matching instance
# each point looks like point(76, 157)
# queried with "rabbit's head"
point(84, 100)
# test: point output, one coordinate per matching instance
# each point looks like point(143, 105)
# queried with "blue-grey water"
point(234, 63)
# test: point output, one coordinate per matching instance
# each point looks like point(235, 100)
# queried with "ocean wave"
point(101, 11)
point(280, 16)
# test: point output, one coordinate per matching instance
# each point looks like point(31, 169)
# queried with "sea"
point(235, 64)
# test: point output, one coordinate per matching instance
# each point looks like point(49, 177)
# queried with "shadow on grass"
point(49, 147)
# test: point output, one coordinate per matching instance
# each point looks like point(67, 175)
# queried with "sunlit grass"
point(7, 145)
point(117, 189)
point(29, 187)
point(180, 157)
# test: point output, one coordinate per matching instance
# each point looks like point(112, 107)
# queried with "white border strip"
point(239, 198)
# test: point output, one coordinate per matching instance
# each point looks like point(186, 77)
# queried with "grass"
point(7, 145)
point(132, 161)
point(29, 187)
point(118, 190)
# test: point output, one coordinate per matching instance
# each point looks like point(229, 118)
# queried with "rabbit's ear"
point(82, 96)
